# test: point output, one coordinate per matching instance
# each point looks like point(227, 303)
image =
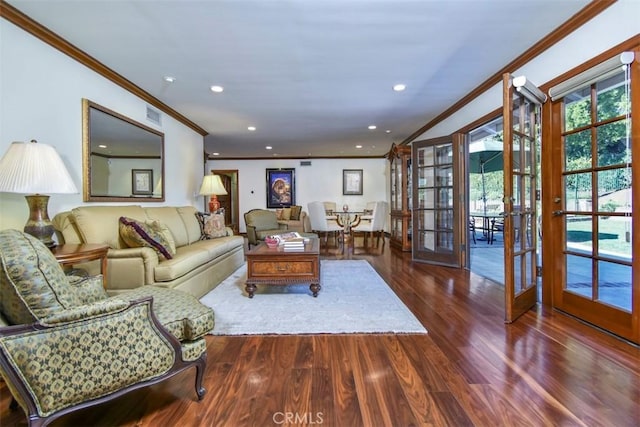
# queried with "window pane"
point(445, 175)
point(614, 190)
point(577, 151)
point(425, 156)
point(579, 234)
point(577, 109)
point(444, 154)
point(577, 192)
point(614, 237)
point(425, 177)
point(613, 146)
point(614, 284)
point(612, 100)
point(579, 275)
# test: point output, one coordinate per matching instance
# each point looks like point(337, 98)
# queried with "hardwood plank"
point(470, 369)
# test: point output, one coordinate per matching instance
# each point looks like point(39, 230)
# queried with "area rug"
point(353, 299)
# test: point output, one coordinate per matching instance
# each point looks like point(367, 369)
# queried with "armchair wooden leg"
point(201, 364)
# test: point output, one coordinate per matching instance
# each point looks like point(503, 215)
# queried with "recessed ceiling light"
point(372, 127)
point(387, 131)
point(399, 87)
point(268, 147)
point(216, 88)
point(216, 154)
point(358, 146)
point(169, 79)
point(251, 128)
point(102, 146)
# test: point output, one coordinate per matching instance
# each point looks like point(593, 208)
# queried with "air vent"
point(154, 116)
point(305, 163)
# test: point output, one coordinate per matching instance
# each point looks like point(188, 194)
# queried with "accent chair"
point(66, 345)
point(261, 223)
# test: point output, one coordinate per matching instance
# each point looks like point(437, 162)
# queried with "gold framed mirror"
point(114, 150)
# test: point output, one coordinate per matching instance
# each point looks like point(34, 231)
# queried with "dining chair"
point(375, 225)
point(497, 226)
point(330, 210)
point(472, 228)
point(320, 224)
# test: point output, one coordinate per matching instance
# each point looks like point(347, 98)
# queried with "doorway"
point(229, 201)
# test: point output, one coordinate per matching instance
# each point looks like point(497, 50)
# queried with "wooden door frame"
point(235, 216)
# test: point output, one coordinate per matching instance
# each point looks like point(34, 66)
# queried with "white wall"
point(41, 93)
point(618, 23)
point(321, 181)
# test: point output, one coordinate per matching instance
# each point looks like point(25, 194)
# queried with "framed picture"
point(281, 188)
point(142, 181)
point(352, 182)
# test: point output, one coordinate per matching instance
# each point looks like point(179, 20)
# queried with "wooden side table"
point(70, 254)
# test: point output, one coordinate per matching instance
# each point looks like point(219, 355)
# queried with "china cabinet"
point(400, 227)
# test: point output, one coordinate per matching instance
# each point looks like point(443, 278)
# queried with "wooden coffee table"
point(275, 266)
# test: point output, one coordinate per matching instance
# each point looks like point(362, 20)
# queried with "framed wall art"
point(352, 182)
point(281, 188)
point(142, 181)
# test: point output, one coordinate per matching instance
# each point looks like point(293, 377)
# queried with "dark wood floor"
point(546, 369)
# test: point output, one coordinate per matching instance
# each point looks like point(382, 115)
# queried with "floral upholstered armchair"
point(65, 345)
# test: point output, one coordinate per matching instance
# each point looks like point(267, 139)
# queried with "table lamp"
point(33, 168)
point(212, 186)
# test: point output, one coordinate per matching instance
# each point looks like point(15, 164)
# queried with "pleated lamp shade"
point(34, 168)
point(212, 185)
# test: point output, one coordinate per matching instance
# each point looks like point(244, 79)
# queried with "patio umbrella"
point(485, 155)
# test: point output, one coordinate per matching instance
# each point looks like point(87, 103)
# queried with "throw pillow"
point(166, 233)
point(295, 212)
point(202, 217)
point(214, 226)
point(137, 234)
point(279, 213)
point(286, 214)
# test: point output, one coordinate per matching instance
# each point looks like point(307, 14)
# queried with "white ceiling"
point(311, 75)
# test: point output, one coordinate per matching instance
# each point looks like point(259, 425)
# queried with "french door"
point(596, 129)
point(522, 103)
point(436, 201)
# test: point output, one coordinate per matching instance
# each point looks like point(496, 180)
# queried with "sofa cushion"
point(181, 313)
point(139, 234)
point(169, 216)
point(187, 213)
point(186, 259)
point(100, 224)
point(32, 283)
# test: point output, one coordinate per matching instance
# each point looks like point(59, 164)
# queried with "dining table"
point(486, 218)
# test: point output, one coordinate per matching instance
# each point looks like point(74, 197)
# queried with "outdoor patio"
point(487, 260)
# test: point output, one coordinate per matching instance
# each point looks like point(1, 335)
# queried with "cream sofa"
point(198, 266)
